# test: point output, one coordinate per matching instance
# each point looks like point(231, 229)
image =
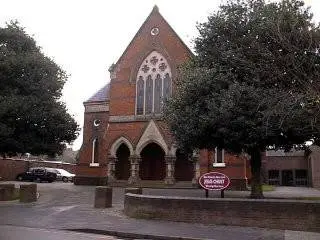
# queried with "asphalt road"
point(25, 233)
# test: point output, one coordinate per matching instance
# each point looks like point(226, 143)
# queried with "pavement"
point(64, 209)
point(25, 233)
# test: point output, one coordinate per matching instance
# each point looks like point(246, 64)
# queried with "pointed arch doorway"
point(152, 165)
point(122, 166)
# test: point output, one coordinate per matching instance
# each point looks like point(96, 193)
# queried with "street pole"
point(208, 170)
point(222, 193)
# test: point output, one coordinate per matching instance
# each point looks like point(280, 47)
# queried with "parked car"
point(64, 175)
point(38, 174)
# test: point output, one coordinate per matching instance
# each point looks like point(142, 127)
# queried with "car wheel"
point(19, 178)
point(65, 179)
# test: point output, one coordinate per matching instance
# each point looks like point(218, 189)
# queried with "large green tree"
point(254, 82)
point(32, 117)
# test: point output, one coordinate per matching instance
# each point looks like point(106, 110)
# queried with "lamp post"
point(208, 170)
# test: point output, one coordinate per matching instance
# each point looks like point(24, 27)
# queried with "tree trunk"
point(255, 162)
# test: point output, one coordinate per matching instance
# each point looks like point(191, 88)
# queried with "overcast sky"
point(86, 36)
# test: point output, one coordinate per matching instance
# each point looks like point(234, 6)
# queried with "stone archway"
point(184, 169)
point(122, 165)
point(114, 147)
point(152, 165)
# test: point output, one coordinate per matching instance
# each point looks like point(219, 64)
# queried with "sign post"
point(214, 181)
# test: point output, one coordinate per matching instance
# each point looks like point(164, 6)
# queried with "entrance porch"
point(152, 168)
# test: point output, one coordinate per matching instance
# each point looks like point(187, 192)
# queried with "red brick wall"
point(89, 133)
point(122, 91)
point(132, 131)
point(314, 161)
point(10, 168)
point(285, 162)
point(235, 166)
point(85, 170)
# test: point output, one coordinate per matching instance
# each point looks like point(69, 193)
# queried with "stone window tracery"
point(157, 94)
point(149, 95)
point(145, 68)
point(154, 80)
point(140, 95)
point(166, 87)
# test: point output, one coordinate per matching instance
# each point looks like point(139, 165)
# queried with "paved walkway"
point(65, 206)
point(25, 233)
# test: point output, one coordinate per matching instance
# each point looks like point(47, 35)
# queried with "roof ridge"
point(154, 10)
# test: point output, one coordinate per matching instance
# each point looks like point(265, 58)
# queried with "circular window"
point(154, 31)
point(96, 122)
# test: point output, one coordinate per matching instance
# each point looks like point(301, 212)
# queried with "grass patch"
point(267, 188)
point(16, 194)
point(307, 198)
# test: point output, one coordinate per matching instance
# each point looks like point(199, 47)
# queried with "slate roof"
point(100, 96)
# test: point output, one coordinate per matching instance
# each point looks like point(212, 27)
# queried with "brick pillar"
point(28, 193)
point(103, 197)
point(196, 166)
point(2, 194)
point(134, 174)
point(170, 167)
point(111, 169)
point(196, 171)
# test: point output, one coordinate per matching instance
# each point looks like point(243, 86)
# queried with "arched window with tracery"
point(154, 84)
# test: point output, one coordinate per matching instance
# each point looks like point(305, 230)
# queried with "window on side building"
point(219, 158)
point(274, 177)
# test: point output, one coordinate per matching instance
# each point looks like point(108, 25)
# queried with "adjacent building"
point(292, 168)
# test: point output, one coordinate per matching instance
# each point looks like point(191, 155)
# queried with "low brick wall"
point(8, 192)
point(267, 213)
point(90, 181)
point(238, 184)
point(10, 168)
point(137, 190)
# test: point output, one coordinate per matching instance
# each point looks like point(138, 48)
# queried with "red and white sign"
point(214, 181)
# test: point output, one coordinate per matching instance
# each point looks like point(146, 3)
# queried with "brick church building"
point(124, 136)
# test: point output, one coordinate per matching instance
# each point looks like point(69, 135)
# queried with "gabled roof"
point(154, 11)
point(100, 96)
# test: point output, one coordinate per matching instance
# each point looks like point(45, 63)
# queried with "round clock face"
point(96, 122)
point(154, 31)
